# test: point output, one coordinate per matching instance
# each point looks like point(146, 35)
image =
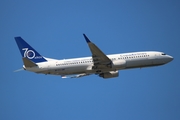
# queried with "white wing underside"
point(76, 76)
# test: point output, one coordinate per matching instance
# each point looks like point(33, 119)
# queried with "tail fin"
point(28, 52)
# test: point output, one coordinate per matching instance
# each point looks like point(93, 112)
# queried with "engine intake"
point(110, 74)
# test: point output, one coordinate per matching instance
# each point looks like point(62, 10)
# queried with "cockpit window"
point(163, 54)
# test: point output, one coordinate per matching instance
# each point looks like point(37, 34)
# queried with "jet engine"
point(110, 74)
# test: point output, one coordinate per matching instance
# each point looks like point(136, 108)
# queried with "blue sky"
point(54, 28)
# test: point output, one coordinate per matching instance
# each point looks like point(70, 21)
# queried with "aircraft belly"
point(75, 70)
point(158, 61)
point(69, 70)
point(139, 63)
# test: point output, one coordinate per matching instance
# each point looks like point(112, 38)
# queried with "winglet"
point(87, 39)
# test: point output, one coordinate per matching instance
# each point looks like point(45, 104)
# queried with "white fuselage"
point(85, 64)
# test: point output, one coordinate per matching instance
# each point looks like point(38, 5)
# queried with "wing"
point(99, 58)
point(75, 76)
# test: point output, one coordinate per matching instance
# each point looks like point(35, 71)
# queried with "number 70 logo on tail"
point(29, 53)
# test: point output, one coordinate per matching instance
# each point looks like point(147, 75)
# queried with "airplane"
point(105, 66)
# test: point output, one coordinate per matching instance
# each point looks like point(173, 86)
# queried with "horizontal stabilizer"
point(28, 63)
point(19, 70)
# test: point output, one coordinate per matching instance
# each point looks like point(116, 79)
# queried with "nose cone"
point(169, 58)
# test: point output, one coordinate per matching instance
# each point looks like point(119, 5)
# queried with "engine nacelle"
point(110, 74)
point(119, 64)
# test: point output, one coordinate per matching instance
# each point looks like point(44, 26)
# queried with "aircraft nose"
point(170, 58)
